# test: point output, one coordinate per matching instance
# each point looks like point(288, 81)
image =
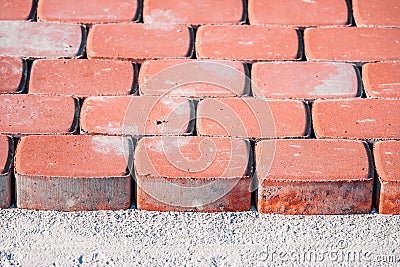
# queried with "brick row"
point(95, 174)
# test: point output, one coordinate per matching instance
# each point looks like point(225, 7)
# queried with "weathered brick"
point(73, 172)
point(192, 173)
point(301, 176)
point(194, 78)
point(13, 74)
point(137, 115)
point(82, 77)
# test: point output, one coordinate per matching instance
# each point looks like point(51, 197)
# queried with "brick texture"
point(13, 74)
point(382, 80)
point(82, 78)
point(352, 44)
point(387, 161)
point(88, 11)
point(302, 177)
point(16, 9)
point(194, 78)
point(252, 118)
point(34, 114)
point(95, 175)
point(6, 150)
point(194, 12)
point(296, 13)
point(41, 40)
point(305, 80)
point(137, 115)
point(381, 13)
point(115, 41)
point(247, 42)
point(359, 118)
point(192, 174)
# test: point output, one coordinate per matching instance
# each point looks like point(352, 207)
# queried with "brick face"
point(376, 13)
point(13, 74)
point(382, 80)
point(6, 154)
point(16, 9)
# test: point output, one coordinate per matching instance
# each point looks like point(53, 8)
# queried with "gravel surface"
point(133, 237)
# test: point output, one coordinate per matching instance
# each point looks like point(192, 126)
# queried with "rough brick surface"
point(94, 175)
point(357, 118)
point(88, 11)
point(139, 41)
point(247, 42)
point(82, 77)
point(299, 13)
point(12, 74)
point(252, 118)
point(194, 12)
point(387, 161)
point(304, 80)
point(34, 114)
point(137, 115)
point(16, 9)
point(193, 78)
point(352, 44)
point(5, 172)
point(302, 177)
point(192, 174)
point(40, 40)
point(382, 80)
point(381, 13)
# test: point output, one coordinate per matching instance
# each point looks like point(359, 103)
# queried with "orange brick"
point(296, 13)
point(352, 44)
point(387, 162)
point(382, 80)
point(194, 12)
point(357, 118)
point(114, 41)
point(6, 154)
point(88, 11)
point(74, 172)
point(13, 74)
point(302, 176)
point(382, 13)
point(193, 78)
point(82, 77)
point(16, 9)
point(35, 114)
point(252, 118)
point(247, 42)
point(304, 80)
point(41, 40)
point(137, 115)
point(192, 174)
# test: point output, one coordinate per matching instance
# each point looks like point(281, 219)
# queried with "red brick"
point(373, 13)
point(88, 11)
point(13, 74)
point(35, 114)
point(296, 13)
point(82, 77)
point(382, 80)
point(193, 78)
point(352, 44)
point(6, 148)
point(16, 9)
point(74, 172)
point(304, 80)
point(387, 162)
point(194, 12)
point(192, 174)
point(302, 177)
point(247, 42)
point(41, 40)
point(137, 115)
point(139, 41)
point(252, 118)
point(357, 118)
